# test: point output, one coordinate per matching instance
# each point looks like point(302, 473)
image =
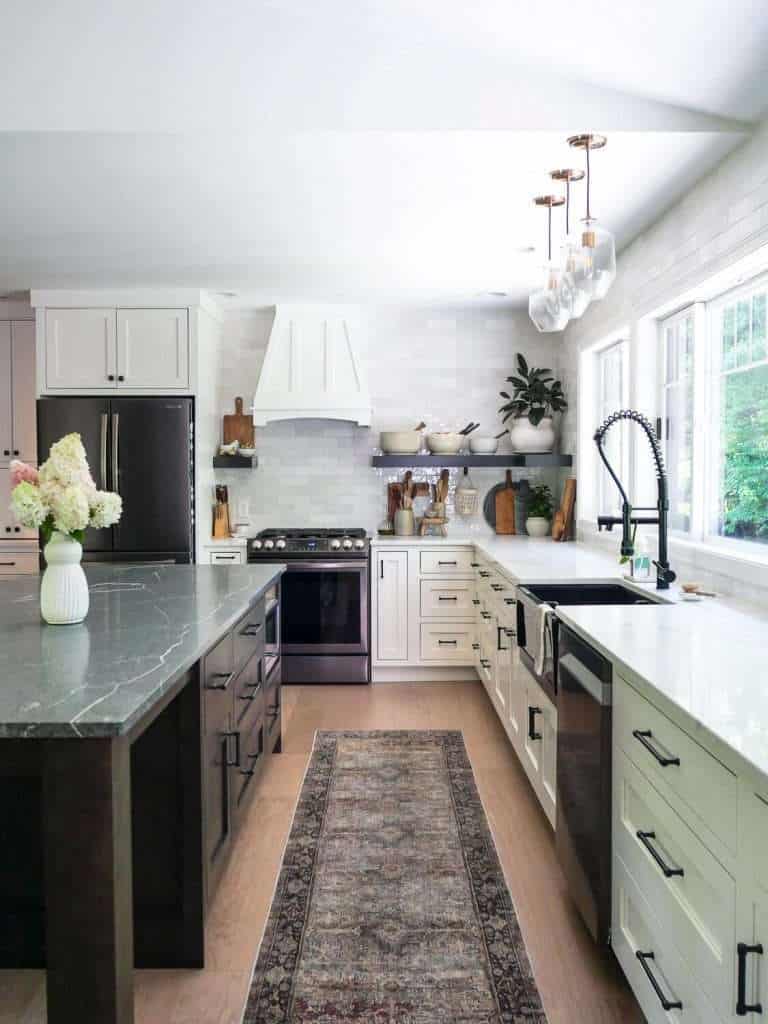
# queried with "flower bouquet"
point(61, 500)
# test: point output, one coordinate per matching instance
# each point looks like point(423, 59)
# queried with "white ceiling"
point(343, 151)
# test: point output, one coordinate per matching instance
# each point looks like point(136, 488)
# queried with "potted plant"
point(540, 506)
point(61, 500)
point(536, 395)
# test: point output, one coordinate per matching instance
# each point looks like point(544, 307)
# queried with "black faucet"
point(664, 575)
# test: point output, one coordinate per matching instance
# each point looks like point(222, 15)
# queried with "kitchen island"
point(129, 746)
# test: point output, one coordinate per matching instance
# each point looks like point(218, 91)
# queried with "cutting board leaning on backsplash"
point(238, 427)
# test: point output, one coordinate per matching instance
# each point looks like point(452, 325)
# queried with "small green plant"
point(540, 503)
point(535, 394)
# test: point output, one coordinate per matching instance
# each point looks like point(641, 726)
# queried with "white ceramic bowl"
point(444, 443)
point(400, 442)
point(481, 445)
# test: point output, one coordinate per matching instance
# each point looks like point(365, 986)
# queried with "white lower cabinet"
point(446, 641)
point(392, 605)
point(539, 757)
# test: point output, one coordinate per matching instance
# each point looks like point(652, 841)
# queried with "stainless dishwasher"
point(583, 830)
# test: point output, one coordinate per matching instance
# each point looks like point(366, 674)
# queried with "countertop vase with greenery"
point(540, 506)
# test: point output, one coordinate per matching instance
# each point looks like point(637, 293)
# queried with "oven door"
point(325, 608)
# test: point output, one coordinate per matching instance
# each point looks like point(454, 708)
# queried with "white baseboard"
point(423, 674)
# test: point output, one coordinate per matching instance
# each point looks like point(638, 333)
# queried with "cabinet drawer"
point(249, 634)
point(446, 561)
point(636, 930)
point(249, 691)
point(676, 763)
point(690, 893)
point(219, 664)
point(251, 761)
point(447, 641)
point(228, 556)
point(447, 599)
point(13, 563)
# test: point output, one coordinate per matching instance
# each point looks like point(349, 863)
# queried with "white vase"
point(537, 526)
point(64, 595)
point(527, 438)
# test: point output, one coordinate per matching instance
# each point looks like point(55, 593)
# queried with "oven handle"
point(320, 565)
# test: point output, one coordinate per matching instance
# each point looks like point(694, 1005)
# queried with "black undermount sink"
point(588, 593)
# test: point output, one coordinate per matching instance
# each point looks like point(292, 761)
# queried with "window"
point(738, 498)
point(612, 387)
point(677, 415)
point(714, 403)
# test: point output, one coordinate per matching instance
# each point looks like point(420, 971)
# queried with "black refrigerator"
point(143, 448)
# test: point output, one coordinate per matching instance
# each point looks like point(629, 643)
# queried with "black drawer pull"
point(226, 676)
point(252, 629)
point(236, 736)
point(475, 647)
point(484, 574)
point(485, 663)
point(642, 736)
point(532, 734)
point(486, 615)
point(510, 632)
point(666, 1004)
point(446, 643)
point(255, 687)
point(447, 599)
point(446, 563)
point(742, 1006)
point(7, 563)
point(475, 600)
point(510, 600)
point(497, 587)
point(474, 565)
point(273, 710)
point(645, 839)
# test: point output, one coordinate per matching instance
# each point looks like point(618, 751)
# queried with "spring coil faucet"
point(664, 575)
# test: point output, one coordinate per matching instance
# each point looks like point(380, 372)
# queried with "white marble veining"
point(147, 625)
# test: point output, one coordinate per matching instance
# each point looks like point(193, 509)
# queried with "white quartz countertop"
point(703, 663)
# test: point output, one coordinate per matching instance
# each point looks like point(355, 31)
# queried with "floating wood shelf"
point(510, 460)
point(235, 461)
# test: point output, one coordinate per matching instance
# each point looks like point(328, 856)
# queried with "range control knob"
point(269, 544)
point(347, 543)
point(256, 545)
point(280, 543)
point(335, 544)
point(359, 544)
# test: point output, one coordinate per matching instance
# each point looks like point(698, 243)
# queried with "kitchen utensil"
point(562, 525)
point(497, 436)
point(441, 487)
point(505, 507)
point(221, 520)
point(473, 428)
point(400, 442)
point(482, 444)
point(465, 498)
point(238, 427)
point(444, 443)
point(522, 491)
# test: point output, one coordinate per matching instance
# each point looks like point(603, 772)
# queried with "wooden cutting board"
point(562, 528)
point(238, 427)
point(505, 507)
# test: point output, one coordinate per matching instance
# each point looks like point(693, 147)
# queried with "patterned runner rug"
point(391, 907)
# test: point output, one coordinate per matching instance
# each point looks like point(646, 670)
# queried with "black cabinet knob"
point(7, 529)
point(17, 529)
point(110, 376)
point(7, 451)
point(15, 451)
point(120, 376)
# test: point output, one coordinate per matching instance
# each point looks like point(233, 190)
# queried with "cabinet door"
point(152, 349)
point(392, 606)
point(502, 669)
point(533, 711)
point(516, 706)
point(547, 725)
point(6, 406)
point(80, 351)
point(23, 368)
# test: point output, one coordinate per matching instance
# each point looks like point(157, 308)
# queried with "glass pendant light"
point(597, 244)
point(573, 260)
point(549, 307)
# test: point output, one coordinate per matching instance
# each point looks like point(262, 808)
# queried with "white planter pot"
point(537, 526)
point(64, 597)
point(527, 438)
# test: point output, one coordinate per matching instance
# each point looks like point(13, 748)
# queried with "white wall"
point(445, 367)
point(720, 221)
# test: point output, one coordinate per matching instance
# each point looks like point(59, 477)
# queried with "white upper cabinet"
point(24, 404)
point(111, 349)
point(17, 392)
point(152, 348)
point(80, 349)
point(6, 384)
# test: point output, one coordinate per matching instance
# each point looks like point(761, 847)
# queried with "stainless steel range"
point(324, 602)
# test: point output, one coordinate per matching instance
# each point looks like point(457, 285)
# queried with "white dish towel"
point(545, 611)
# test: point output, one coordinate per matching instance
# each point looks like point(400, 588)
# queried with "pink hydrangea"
point(21, 472)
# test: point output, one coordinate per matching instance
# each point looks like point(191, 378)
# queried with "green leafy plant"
point(535, 394)
point(540, 503)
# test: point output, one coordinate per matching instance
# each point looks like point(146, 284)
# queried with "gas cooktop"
point(339, 543)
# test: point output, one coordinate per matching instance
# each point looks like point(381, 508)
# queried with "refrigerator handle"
point(115, 449)
point(104, 419)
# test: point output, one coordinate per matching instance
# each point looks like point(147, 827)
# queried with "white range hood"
point(310, 368)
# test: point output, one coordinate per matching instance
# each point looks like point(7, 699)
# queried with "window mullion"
point(702, 424)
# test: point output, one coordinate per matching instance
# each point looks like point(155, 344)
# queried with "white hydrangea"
point(27, 505)
point(106, 509)
point(67, 466)
point(70, 510)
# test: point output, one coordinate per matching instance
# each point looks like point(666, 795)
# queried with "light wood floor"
point(576, 984)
